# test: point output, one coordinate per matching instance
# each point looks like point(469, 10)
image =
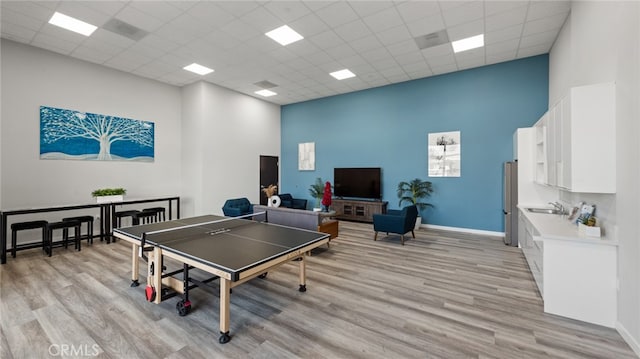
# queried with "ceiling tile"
point(337, 14)
point(309, 25)
point(326, 39)
point(262, 20)
point(353, 30)
point(365, 44)
point(544, 24)
point(533, 51)
point(541, 9)
point(340, 52)
point(209, 11)
point(507, 33)
point(160, 10)
point(540, 38)
point(287, 11)
point(37, 10)
point(139, 18)
point(417, 10)
point(465, 30)
point(426, 26)
point(10, 17)
point(394, 35)
point(506, 19)
point(460, 14)
point(18, 33)
point(366, 8)
point(383, 20)
point(238, 8)
point(502, 47)
point(437, 51)
point(495, 7)
point(403, 48)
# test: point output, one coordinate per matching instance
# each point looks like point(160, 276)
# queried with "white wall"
point(32, 77)
point(224, 134)
point(600, 43)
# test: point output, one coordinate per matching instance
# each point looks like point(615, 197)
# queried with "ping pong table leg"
point(135, 265)
point(303, 274)
point(157, 275)
point(225, 294)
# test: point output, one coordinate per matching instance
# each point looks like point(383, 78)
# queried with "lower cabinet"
point(354, 210)
point(576, 277)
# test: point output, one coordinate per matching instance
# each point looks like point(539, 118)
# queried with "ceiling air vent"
point(265, 84)
point(431, 40)
point(123, 29)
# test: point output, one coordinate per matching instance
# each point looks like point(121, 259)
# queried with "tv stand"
point(358, 210)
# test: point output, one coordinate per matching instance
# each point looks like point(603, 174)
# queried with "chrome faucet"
point(558, 206)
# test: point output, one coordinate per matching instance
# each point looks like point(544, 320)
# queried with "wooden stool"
point(65, 225)
point(159, 211)
point(121, 214)
point(20, 226)
point(82, 219)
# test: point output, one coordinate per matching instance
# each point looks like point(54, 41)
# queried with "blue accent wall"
point(388, 126)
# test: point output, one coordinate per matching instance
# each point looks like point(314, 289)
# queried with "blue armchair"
point(237, 207)
point(396, 221)
point(286, 200)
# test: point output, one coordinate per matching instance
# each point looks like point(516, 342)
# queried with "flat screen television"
point(357, 182)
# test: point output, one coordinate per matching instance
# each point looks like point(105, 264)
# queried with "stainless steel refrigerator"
point(510, 206)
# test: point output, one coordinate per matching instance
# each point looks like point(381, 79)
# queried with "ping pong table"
point(233, 250)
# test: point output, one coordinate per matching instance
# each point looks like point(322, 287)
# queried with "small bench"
point(64, 225)
point(21, 226)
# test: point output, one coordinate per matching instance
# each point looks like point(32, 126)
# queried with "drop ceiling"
point(376, 40)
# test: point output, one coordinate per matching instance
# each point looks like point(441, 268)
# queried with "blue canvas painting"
point(74, 135)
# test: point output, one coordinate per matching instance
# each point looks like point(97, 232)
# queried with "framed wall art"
point(444, 154)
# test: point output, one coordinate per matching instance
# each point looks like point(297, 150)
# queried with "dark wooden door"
point(268, 175)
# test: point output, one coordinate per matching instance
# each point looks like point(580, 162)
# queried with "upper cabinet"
point(580, 141)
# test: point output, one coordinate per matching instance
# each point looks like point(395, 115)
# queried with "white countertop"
point(556, 227)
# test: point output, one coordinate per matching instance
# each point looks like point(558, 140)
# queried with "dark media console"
point(357, 210)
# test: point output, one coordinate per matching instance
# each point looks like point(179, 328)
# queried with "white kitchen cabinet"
point(541, 176)
point(576, 276)
point(586, 158)
point(532, 249)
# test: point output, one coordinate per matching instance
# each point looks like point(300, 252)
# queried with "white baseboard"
point(465, 230)
point(633, 342)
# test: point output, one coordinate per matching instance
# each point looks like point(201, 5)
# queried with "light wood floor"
point(442, 295)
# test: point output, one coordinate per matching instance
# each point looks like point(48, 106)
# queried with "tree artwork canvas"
point(74, 135)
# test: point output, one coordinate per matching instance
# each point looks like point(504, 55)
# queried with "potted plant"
point(316, 191)
point(413, 192)
point(106, 195)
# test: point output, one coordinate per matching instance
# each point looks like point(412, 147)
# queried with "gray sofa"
point(298, 218)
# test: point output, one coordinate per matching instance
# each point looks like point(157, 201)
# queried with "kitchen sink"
point(544, 210)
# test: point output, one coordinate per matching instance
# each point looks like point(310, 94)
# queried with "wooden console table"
point(355, 210)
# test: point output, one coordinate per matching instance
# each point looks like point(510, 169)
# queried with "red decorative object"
point(326, 196)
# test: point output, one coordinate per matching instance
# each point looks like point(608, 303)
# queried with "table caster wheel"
point(303, 288)
point(263, 275)
point(224, 338)
point(134, 283)
point(183, 308)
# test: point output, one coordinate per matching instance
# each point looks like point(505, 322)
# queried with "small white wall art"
point(307, 156)
point(444, 154)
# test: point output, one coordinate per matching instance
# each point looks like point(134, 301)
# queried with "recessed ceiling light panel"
point(72, 24)
point(198, 69)
point(343, 74)
point(468, 43)
point(266, 93)
point(284, 35)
